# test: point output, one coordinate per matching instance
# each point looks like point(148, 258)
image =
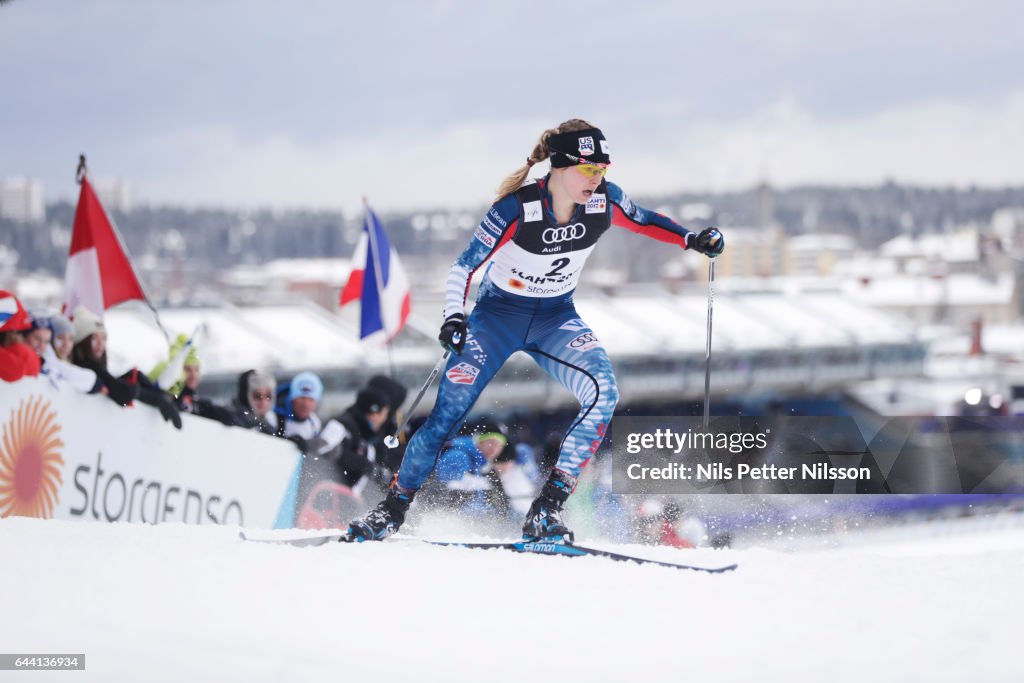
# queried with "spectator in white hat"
point(90, 351)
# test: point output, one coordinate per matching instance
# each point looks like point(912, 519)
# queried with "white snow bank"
point(186, 603)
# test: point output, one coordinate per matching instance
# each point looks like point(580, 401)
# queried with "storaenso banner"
point(829, 455)
point(67, 455)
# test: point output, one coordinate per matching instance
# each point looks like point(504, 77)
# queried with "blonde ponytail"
point(540, 153)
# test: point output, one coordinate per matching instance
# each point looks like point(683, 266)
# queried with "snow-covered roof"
point(1006, 340)
point(863, 324)
point(827, 242)
point(958, 289)
point(333, 271)
point(955, 247)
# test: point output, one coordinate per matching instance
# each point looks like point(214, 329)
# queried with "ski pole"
point(707, 355)
point(392, 440)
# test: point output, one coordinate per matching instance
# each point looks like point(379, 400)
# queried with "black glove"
point(709, 241)
point(120, 392)
point(165, 404)
point(453, 333)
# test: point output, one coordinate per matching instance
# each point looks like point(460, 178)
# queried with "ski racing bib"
point(543, 258)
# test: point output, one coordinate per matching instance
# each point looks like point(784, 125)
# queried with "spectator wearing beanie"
point(90, 351)
point(17, 359)
point(355, 458)
point(90, 340)
point(346, 454)
point(63, 336)
point(299, 422)
point(60, 372)
point(390, 458)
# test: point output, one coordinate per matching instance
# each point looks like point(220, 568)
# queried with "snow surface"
point(186, 603)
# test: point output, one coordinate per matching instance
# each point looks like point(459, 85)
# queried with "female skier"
point(537, 236)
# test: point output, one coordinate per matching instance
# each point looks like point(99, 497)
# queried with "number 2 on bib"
point(557, 266)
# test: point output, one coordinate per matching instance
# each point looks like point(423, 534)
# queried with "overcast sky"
point(431, 103)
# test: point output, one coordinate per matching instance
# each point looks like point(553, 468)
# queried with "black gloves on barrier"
point(709, 241)
point(165, 404)
point(120, 392)
point(453, 333)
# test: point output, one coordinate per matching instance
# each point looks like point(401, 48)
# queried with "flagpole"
point(378, 277)
point(81, 173)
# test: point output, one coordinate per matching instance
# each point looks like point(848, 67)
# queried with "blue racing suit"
point(525, 304)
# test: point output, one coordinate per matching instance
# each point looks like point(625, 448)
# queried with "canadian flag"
point(99, 274)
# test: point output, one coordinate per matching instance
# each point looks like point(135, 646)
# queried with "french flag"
point(379, 282)
point(99, 274)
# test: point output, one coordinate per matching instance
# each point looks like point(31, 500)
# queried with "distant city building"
point(21, 199)
point(934, 254)
point(114, 193)
point(316, 280)
point(1008, 226)
point(819, 254)
point(752, 252)
point(8, 262)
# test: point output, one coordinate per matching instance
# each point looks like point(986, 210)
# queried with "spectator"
point(345, 451)
point(39, 334)
point(90, 351)
point(185, 389)
point(58, 371)
point(254, 403)
point(354, 459)
point(63, 336)
point(17, 359)
point(482, 471)
point(169, 374)
point(396, 392)
point(90, 340)
point(299, 421)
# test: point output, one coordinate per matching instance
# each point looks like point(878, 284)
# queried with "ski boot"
point(544, 521)
point(383, 520)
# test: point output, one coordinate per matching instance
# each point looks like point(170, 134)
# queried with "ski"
point(529, 547)
point(573, 550)
point(304, 542)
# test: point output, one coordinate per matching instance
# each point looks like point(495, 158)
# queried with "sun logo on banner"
point(30, 460)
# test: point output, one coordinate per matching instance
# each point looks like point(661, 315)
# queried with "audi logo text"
point(563, 234)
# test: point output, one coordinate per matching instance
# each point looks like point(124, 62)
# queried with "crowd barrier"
point(67, 455)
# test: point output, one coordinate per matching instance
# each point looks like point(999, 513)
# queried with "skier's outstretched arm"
point(626, 214)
